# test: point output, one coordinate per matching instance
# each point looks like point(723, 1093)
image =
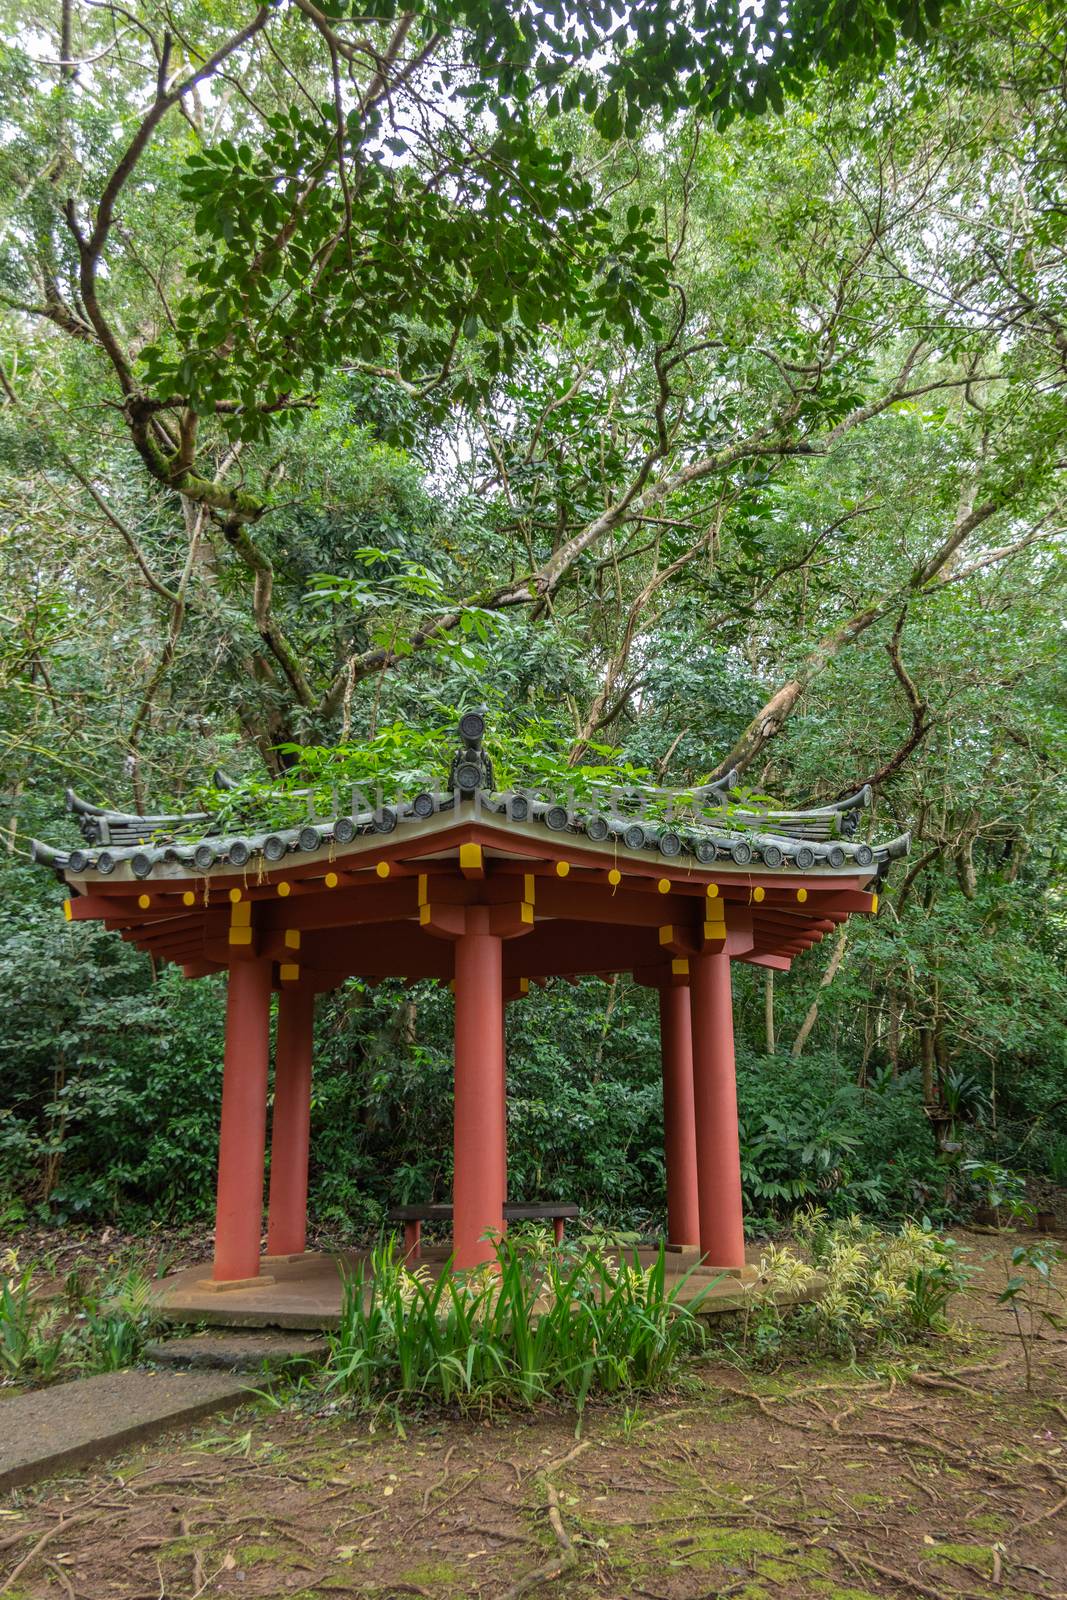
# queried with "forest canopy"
point(686, 385)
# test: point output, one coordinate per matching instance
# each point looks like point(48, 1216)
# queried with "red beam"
point(760, 959)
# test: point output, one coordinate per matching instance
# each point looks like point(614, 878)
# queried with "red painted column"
point(504, 1107)
point(679, 1128)
point(480, 1135)
point(243, 1128)
point(722, 1236)
point(287, 1209)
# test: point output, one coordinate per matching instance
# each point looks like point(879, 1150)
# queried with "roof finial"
point(471, 767)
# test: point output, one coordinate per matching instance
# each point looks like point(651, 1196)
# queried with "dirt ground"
point(939, 1476)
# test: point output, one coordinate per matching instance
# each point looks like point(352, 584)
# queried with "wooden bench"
point(413, 1218)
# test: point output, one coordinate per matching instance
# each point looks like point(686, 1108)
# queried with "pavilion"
point(487, 892)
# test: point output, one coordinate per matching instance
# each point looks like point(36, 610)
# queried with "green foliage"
point(538, 1325)
point(96, 1325)
point(116, 1318)
point(810, 1132)
point(999, 1188)
point(1033, 1294)
point(33, 1340)
point(878, 1289)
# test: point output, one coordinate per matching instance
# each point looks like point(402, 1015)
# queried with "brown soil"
point(939, 1477)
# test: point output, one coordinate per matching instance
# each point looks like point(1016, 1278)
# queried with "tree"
point(368, 192)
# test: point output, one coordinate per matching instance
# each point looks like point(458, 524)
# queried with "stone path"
point(257, 1350)
point(49, 1430)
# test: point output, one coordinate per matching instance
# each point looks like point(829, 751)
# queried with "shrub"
point(878, 1288)
point(117, 1317)
point(99, 1326)
point(815, 1135)
point(33, 1342)
point(539, 1325)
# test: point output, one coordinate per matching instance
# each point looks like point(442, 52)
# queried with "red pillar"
point(243, 1128)
point(722, 1236)
point(287, 1210)
point(504, 1108)
point(679, 1134)
point(480, 1162)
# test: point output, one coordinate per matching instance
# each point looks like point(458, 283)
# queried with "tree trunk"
point(926, 1055)
point(827, 978)
point(768, 1009)
point(773, 716)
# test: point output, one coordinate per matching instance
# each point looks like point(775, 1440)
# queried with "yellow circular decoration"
point(331, 880)
point(664, 886)
point(713, 891)
point(188, 898)
point(382, 869)
point(758, 894)
point(614, 876)
point(802, 895)
point(285, 889)
point(144, 901)
point(235, 896)
point(562, 868)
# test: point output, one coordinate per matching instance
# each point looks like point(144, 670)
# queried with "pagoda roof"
point(700, 828)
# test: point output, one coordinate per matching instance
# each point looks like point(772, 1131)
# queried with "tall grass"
point(535, 1326)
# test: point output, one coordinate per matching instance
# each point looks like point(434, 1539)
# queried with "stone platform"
point(305, 1291)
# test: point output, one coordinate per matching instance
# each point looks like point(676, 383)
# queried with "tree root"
point(565, 1559)
point(465, 1482)
point(923, 1488)
point(62, 1579)
point(777, 1417)
point(576, 1450)
point(50, 1533)
point(1043, 1516)
point(862, 1560)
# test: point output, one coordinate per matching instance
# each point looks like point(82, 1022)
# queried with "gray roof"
point(700, 823)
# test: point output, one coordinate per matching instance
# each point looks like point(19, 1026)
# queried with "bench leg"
point(557, 1229)
point(412, 1241)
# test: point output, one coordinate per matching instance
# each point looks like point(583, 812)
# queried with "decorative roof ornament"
point(471, 770)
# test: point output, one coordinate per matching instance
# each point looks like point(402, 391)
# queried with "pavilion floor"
point(305, 1291)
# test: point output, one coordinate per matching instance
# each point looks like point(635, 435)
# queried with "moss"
point(775, 1571)
point(718, 1547)
point(259, 1554)
point(989, 1522)
point(832, 1591)
point(962, 1555)
point(428, 1572)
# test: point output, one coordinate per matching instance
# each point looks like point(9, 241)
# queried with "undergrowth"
point(535, 1325)
point(95, 1324)
point(876, 1289)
